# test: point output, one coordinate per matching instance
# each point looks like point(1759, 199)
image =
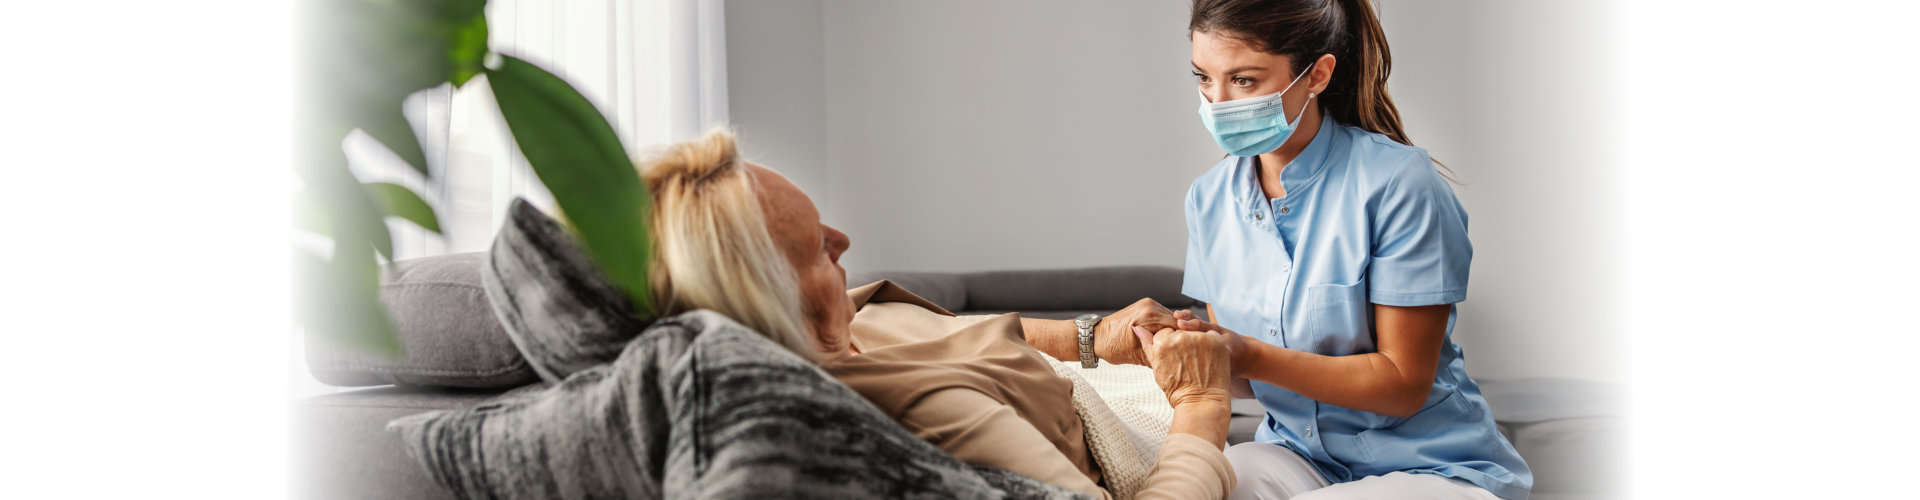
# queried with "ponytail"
point(1303, 30)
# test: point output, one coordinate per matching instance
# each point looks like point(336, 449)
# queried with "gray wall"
point(1009, 134)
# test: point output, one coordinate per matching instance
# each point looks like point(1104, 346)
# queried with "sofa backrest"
point(1041, 293)
point(453, 338)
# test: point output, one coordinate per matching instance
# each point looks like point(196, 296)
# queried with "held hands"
point(1241, 352)
point(1114, 340)
point(1190, 366)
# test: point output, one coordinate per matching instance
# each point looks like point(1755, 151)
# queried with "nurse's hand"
point(1114, 340)
point(1191, 367)
point(1241, 350)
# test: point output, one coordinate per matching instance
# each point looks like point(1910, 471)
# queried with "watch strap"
point(1087, 359)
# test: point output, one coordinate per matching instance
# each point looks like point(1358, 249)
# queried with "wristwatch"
point(1086, 323)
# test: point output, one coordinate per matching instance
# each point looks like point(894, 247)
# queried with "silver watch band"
point(1087, 359)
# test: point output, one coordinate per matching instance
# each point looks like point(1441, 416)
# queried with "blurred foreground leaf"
point(362, 58)
point(358, 60)
point(403, 203)
point(341, 299)
point(578, 156)
point(309, 213)
point(353, 219)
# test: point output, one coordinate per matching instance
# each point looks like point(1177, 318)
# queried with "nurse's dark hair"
point(1303, 30)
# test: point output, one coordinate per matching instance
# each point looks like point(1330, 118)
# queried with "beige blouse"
point(980, 392)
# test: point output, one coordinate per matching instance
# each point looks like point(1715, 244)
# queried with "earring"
point(1309, 95)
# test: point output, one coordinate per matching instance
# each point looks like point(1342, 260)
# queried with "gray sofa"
point(458, 356)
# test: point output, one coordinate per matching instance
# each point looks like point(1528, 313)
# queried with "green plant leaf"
point(353, 219)
point(403, 203)
point(362, 58)
point(358, 60)
point(466, 37)
point(578, 156)
point(392, 129)
point(339, 300)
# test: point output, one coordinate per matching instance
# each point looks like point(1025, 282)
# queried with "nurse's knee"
point(1269, 472)
point(1246, 453)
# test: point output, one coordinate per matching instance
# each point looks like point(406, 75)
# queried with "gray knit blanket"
point(696, 406)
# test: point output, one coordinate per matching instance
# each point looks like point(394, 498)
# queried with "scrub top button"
point(1285, 210)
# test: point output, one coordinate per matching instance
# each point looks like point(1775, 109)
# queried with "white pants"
point(1273, 472)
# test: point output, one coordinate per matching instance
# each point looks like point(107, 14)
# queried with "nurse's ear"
point(1322, 74)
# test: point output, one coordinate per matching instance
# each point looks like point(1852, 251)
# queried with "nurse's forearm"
point(1392, 380)
point(1368, 382)
point(1240, 388)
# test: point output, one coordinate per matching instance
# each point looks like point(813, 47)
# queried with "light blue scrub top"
point(1365, 220)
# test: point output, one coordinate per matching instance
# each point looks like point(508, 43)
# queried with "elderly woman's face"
point(814, 249)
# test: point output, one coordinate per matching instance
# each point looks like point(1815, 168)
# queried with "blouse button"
point(1285, 210)
point(1258, 216)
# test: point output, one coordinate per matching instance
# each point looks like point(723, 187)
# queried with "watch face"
point(1087, 318)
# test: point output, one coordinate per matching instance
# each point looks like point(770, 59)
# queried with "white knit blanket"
point(1126, 417)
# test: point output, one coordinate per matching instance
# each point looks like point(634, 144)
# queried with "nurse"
point(1331, 253)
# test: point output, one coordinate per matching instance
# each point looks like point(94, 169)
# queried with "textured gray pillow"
point(445, 325)
point(554, 302)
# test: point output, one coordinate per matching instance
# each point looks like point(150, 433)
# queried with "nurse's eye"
point(1242, 82)
point(1202, 78)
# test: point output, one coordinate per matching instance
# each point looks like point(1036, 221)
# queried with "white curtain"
point(655, 68)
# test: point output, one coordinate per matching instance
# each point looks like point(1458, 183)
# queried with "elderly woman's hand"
point(1240, 351)
point(1114, 340)
point(1191, 367)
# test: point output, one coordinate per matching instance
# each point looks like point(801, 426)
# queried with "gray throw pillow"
point(554, 302)
point(446, 329)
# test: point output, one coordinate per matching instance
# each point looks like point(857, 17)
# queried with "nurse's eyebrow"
point(1234, 71)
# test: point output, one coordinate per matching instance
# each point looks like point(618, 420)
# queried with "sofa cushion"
point(446, 329)
point(1569, 431)
point(552, 299)
point(343, 450)
point(1574, 455)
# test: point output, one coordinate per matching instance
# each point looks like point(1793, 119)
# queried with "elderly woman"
point(742, 240)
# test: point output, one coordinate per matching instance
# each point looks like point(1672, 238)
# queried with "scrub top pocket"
point(1339, 320)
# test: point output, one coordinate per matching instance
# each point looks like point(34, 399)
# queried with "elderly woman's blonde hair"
point(712, 248)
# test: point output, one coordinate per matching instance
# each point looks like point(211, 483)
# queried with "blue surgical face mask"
point(1251, 126)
